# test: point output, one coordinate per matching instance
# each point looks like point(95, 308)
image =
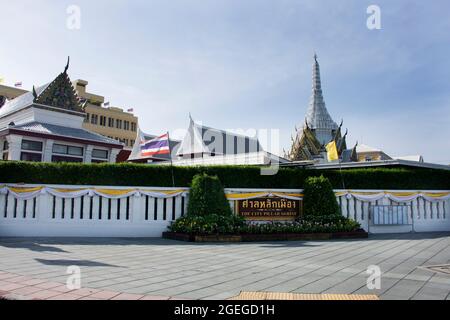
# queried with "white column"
point(88, 154)
point(113, 155)
point(48, 150)
point(15, 146)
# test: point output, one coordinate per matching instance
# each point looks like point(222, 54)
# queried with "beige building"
point(111, 122)
point(367, 153)
point(10, 93)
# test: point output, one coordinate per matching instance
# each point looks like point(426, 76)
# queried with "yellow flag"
point(332, 152)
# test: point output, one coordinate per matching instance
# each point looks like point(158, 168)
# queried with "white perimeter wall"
point(94, 216)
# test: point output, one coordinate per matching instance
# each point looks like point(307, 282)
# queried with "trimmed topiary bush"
point(319, 198)
point(207, 197)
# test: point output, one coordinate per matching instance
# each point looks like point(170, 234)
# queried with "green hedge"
point(230, 176)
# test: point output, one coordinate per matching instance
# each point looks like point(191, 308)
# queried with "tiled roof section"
point(203, 139)
point(22, 101)
point(75, 133)
point(232, 143)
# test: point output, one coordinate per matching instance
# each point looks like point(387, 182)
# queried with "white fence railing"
point(85, 211)
point(90, 215)
point(378, 210)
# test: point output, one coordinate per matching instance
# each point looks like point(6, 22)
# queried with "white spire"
point(317, 115)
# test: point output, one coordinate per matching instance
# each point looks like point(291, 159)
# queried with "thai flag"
point(159, 145)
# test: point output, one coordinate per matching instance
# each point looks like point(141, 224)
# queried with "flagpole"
point(340, 171)
point(171, 161)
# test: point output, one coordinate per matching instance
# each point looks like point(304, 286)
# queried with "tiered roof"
point(59, 93)
point(317, 115)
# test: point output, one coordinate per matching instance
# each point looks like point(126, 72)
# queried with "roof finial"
point(315, 56)
point(67, 65)
point(35, 95)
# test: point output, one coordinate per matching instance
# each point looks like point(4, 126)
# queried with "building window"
point(132, 143)
point(68, 150)
point(33, 157)
point(126, 125)
point(111, 122)
point(34, 151)
point(31, 145)
point(86, 119)
point(368, 159)
point(100, 154)
point(5, 150)
point(66, 159)
point(133, 126)
point(103, 121)
point(119, 124)
point(94, 119)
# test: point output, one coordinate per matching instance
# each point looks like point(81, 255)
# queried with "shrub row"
point(230, 176)
point(215, 224)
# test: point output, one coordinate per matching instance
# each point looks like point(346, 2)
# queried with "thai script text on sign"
point(270, 208)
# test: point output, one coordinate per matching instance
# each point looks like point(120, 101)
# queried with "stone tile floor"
point(164, 269)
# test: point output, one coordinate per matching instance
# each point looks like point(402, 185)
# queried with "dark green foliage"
point(333, 218)
point(230, 176)
point(214, 224)
point(209, 224)
point(207, 197)
point(319, 198)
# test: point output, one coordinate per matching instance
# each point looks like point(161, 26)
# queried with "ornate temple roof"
point(305, 146)
point(319, 128)
point(317, 115)
point(59, 93)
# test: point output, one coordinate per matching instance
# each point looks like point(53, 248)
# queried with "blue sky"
point(247, 64)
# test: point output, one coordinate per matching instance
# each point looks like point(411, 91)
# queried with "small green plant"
point(319, 198)
point(207, 197)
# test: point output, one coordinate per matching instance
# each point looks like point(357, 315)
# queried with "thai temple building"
point(46, 125)
point(204, 145)
point(61, 122)
point(319, 129)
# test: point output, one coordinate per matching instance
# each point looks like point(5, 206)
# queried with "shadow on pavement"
point(30, 245)
point(81, 263)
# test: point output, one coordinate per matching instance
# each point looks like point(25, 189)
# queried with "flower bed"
point(215, 228)
point(360, 234)
point(210, 218)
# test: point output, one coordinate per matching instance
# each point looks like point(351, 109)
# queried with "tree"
point(319, 198)
point(207, 197)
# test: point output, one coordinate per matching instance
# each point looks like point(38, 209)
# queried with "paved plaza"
point(137, 268)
